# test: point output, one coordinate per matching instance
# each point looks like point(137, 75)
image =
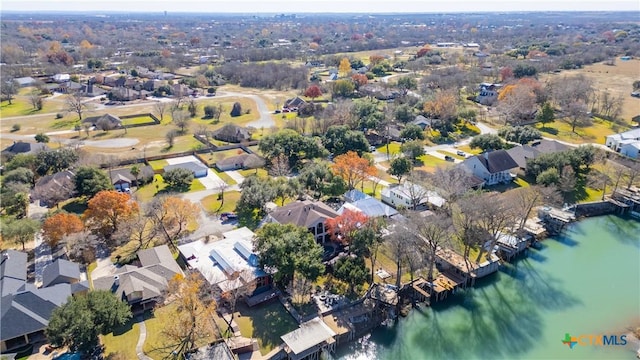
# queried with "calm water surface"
point(585, 282)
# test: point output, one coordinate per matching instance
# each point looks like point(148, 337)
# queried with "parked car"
point(449, 158)
point(225, 216)
point(461, 153)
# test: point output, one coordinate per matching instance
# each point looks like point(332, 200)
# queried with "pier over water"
point(585, 281)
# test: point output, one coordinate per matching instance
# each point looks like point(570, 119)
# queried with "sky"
point(311, 6)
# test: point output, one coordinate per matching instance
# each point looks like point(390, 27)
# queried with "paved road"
point(265, 121)
point(107, 143)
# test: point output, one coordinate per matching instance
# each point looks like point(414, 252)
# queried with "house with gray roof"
point(123, 178)
point(522, 154)
point(198, 169)
point(310, 340)
point(242, 161)
point(21, 147)
point(141, 286)
point(491, 166)
point(13, 271)
point(309, 214)
point(104, 122)
point(231, 133)
point(24, 309)
point(61, 272)
point(368, 205)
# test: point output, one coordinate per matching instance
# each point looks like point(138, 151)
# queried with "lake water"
point(584, 282)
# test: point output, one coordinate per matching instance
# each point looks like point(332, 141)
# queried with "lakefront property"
point(196, 185)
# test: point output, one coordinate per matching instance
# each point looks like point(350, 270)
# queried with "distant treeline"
point(268, 75)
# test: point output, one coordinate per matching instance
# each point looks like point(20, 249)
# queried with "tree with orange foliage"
point(375, 60)
point(422, 52)
point(171, 216)
point(443, 107)
point(359, 79)
point(506, 73)
point(344, 227)
point(107, 209)
point(352, 168)
point(60, 225)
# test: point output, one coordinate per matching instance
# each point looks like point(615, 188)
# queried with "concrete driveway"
point(210, 182)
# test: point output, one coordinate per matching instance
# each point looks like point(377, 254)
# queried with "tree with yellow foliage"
point(345, 67)
point(171, 216)
point(192, 323)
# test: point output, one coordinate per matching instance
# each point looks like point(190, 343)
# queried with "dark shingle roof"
point(303, 213)
point(150, 280)
point(146, 172)
point(24, 313)
point(21, 147)
point(231, 133)
point(497, 161)
point(13, 271)
point(60, 271)
point(520, 154)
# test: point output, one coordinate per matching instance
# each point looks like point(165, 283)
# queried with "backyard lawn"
point(211, 203)
point(158, 186)
point(266, 322)
point(122, 340)
point(137, 120)
point(214, 157)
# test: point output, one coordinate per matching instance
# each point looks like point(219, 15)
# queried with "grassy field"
point(266, 322)
point(158, 186)
point(467, 149)
point(594, 133)
point(122, 340)
point(211, 203)
point(158, 164)
point(616, 80)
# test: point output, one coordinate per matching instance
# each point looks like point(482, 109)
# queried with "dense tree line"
point(269, 75)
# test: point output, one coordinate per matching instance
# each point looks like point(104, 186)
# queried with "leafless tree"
point(221, 187)
point(171, 137)
point(35, 100)
point(451, 184)
point(577, 115)
point(280, 166)
point(160, 108)
point(434, 232)
point(632, 172)
point(518, 105)
point(416, 189)
point(181, 119)
point(524, 199)
point(73, 103)
point(568, 90)
point(241, 284)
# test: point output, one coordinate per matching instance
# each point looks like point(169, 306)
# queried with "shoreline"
point(628, 328)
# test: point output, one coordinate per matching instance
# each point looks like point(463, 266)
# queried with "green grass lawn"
point(148, 191)
point(261, 172)
point(224, 176)
point(21, 106)
point(429, 163)
point(211, 203)
point(74, 205)
point(467, 149)
point(196, 185)
point(596, 132)
point(122, 340)
point(266, 322)
point(137, 120)
point(394, 148)
point(158, 164)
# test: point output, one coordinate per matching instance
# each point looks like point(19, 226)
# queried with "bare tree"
point(35, 100)
point(221, 187)
point(451, 183)
point(171, 137)
point(632, 173)
point(73, 103)
point(280, 166)
point(434, 232)
point(181, 120)
point(577, 115)
point(524, 199)
point(160, 108)
point(414, 189)
point(240, 284)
